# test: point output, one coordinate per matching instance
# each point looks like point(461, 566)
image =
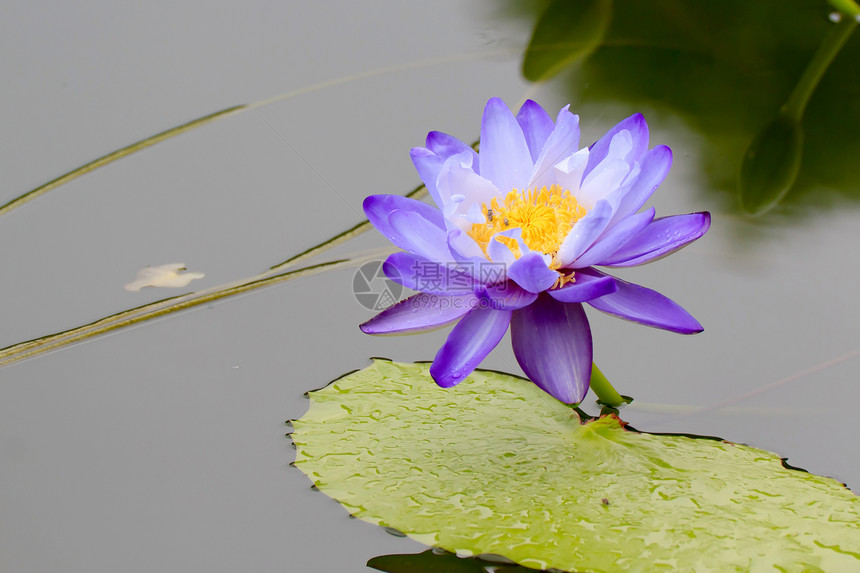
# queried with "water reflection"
point(727, 69)
point(434, 560)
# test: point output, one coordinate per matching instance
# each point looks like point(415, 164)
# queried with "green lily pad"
point(496, 466)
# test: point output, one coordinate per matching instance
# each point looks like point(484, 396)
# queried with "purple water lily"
point(516, 237)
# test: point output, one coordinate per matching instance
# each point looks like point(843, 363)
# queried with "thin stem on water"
point(830, 46)
point(31, 348)
point(417, 193)
point(274, 275)
point(159, 137)
point(846, 7)
point(353, 231)
point(115, 155)
point(606, 394)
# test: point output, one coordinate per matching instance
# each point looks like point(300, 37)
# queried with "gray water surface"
point(161, 447)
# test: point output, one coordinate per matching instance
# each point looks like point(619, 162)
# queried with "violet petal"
point(654, 167)
point(460, 188)
point(500, 252)
point(531, 273)
point(419, 313)
point(445, 146)
point(472, 339)
point(606, 179)
point(506, 296)
point(587, 286)
point(645, 306)
point(468, 254)
point(584, 233)
point(552, 343)
point(428, 165)
point(417, 273)
point(635, 124)
point(562, 143)
point(568, 174)
point(615, 238)
point(505, 157)
point(412, 232)
point(662, 237)
point(379, 207)
point(536, 125)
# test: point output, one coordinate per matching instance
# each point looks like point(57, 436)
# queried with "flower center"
point(545, 217)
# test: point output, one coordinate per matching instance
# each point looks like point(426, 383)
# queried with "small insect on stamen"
point(505, 222)
point(489, 215)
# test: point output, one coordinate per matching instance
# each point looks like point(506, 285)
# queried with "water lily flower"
point(515, 237)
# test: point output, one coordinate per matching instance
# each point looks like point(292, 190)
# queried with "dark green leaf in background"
point(726, 69)
point(566, 33)
point(770, 166)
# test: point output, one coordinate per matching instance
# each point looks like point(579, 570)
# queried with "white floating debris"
point(168, 276)
point(835, 17)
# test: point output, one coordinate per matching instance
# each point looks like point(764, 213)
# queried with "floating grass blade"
point(353, 231)
point(417, 193)
point(115, 155)
point(164, 135)
point(276, 274)
point(32, 348)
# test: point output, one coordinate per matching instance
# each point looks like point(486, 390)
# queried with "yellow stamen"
point(563, 279)
point(545, 217)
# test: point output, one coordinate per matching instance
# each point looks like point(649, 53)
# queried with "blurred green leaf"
point(567, 32)
point(847, 7)
point(726, 69)
point(770, 166)
point(497, 466)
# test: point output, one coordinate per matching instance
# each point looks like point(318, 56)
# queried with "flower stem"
point(357, 229)
point(846, 7)
point(830, 46)
point(606, 394)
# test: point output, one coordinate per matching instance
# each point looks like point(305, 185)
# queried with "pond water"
point(162, 447)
